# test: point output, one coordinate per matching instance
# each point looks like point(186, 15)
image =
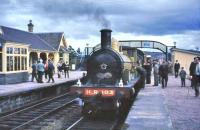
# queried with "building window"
point(60, 56)
point(9, 50)
point(9, 63)
point(24, 63)
point(23, 51)
point(17, 63)
point(16, 59)
point(16, 50)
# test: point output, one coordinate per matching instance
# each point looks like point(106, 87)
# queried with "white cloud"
point(165, 21)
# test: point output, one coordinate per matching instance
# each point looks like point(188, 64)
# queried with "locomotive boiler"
point(109, 85)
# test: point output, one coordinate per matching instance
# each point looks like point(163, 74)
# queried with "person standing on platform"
point(51, 70)
point(40, 69)
point(147, 66)
point(156, 73)
point(197, 78)
point(176, 68)
point(182, 76)
point(66, 69)
point(46, 69)
point(34, 71)
point(163, 72)
point(192, 70)
point(59, 68)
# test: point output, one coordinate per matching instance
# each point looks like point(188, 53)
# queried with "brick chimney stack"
point(30, 26)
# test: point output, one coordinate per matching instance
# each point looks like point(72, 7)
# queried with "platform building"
point(19, 49)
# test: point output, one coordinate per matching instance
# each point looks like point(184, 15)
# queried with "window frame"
point(19, 56)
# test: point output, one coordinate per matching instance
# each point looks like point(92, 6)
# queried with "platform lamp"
point(87, 49)
point(174, 44)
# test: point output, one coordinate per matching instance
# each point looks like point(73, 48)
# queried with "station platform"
point(171, 108)
point(149, 111)
point(10, 89)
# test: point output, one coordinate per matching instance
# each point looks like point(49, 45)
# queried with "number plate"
point(104, 92)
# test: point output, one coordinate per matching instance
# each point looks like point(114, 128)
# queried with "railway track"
point(98, 124)
point(59, 113)
point(105, 122)
point(31, 116)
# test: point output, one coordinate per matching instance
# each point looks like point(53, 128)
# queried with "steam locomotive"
point(109, 86)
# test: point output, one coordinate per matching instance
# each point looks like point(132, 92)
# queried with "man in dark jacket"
point(192, 70)
point(163, 72)
point(34, 71)
point(66, 69)
point(196, 77)
point(51, 70)
point(176, 68)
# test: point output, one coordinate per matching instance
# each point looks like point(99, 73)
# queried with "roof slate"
point(23, 37)
point(1, 39)
point(53, 39)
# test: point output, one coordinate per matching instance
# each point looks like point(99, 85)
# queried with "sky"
point(165, 21)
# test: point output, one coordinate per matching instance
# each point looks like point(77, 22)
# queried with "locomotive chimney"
point(105, 38)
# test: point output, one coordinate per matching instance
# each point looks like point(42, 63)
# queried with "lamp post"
point(87, 49)
point(174, 44)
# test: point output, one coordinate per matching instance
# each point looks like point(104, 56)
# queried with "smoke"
point(99, 16)
point(72, 10)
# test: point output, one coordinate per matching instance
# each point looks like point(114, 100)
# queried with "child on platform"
point(182, 76)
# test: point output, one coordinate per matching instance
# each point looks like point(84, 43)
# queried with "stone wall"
point(11, 78)
point(15, 101)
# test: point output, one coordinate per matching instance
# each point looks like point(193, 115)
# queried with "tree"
point(74, 56)
point(197, 48)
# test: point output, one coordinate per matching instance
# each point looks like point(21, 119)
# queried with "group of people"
point(194, 71)
point(47, 68)
point(161, 71)
point(181, 73)
point(38, 70)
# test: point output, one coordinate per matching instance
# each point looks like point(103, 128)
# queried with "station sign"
point(146, 44)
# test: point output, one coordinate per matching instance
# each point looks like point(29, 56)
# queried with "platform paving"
point(172, 108)
point(28, 86)
point(183, 106)
point(149, 111)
